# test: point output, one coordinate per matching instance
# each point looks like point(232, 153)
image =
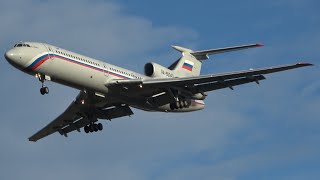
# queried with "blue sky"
point(266, 131)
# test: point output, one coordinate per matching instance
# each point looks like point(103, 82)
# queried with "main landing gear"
point(43, 90)
point(179, 104)
point(93, 128)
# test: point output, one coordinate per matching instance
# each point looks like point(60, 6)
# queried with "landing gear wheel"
point(100, 126)
point(86, 129)
point(44, 90)
point(95, 127)
point(91, 128)
point(185, 103)
point(181, 104)
point(177, 105)
point(172, 106)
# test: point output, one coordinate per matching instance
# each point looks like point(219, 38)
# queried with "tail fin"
point(190, 62)
point(187, 65)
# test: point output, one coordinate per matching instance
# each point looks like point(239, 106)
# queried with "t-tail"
point(189, 64)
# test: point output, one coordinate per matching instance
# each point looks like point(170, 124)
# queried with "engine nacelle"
point(155, 70)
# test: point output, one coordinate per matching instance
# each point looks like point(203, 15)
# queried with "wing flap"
point(117, 112)
point(226, 84)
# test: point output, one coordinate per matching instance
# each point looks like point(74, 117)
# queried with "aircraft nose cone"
point(13, 56)
point(9, 55)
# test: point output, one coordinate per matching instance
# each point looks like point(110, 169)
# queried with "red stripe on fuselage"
point(40, 62)
point(76, 62)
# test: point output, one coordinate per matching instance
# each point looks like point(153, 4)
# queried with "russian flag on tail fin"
point(188, 65)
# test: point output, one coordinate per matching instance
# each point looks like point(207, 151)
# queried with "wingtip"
point(259, 44)
point(32, 140)
point(305, 64)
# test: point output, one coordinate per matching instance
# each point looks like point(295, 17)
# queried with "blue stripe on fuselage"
point(75, 62)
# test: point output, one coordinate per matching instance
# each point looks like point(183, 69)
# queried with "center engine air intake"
point(155, 70)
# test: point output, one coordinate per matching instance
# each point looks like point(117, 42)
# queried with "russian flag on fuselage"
point(188, 65)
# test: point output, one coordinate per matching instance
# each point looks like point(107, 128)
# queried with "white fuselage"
point(81, 72)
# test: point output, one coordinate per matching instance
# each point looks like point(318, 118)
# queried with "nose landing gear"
point(42, 78)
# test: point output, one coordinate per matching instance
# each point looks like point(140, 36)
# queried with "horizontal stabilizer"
point(204, 54)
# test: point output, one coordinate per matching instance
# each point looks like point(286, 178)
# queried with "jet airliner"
point(108, 91)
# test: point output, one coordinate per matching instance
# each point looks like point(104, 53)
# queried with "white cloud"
point(100, 29)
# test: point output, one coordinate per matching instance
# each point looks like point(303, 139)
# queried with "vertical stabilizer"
point(187, 65)
point(190, 62)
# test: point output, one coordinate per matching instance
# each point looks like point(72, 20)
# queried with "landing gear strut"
point(93, 128)
point(43, 90)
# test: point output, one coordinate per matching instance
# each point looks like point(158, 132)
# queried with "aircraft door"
point(49, 50)
point(105, 70)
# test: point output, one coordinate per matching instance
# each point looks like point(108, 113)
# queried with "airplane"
point(108, 91)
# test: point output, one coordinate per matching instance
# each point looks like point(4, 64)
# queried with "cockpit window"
point(22, 45)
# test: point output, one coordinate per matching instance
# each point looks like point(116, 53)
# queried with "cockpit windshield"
point(22, 45)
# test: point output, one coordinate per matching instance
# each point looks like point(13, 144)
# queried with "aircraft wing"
point(210, 82)
point(81, 112)
point(220, 77)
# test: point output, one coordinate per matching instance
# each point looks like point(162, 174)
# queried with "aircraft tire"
point(86, 129)
point(171, 106)
point(185, 104)
point(42, 91)
point(91, 128)
point(100, 126)
point(46, 90)
point(95, 128)
point(177, 105)
point(181, 104)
